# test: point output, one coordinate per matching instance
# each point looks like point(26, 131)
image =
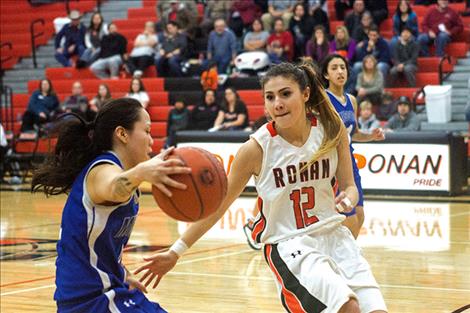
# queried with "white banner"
point(381, 166)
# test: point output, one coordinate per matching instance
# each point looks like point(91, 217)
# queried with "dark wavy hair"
point(141, 85)
point(397, 10)
point(51, 91)
point(79, 142)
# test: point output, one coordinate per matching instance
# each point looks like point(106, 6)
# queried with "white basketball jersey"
point(292, 202)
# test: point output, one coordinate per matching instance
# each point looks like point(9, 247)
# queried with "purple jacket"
point(351, 49)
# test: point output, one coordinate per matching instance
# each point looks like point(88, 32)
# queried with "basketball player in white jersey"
point(316, 263)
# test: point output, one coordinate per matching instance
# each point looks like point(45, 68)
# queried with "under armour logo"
point(294, 254)
point(129, 303)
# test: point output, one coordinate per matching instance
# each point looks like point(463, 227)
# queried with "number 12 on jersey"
point(302, 218)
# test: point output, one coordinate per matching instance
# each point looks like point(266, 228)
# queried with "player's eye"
point(269, 97)
point(286, 93)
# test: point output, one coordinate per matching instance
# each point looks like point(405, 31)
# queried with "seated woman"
point(233, 115)
point(403, 17)
point(103, 95)
point(178, 119)
point(342, 44)
point(370, 82)
point(95, 32)
point(42, 106)
point(300, 27)
point(360, 33)
point(317, 48)
point(256, 38)
point(137, 92)
point(203, 115)
point(143, 53)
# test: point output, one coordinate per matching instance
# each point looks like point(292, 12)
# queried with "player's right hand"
point(156, 267)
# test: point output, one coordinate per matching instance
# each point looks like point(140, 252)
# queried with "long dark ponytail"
point(79, 142)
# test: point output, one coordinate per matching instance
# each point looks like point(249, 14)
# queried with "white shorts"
point(320, 273)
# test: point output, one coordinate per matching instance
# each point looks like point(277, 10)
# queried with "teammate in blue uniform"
point(100, 165)
point(335, 72)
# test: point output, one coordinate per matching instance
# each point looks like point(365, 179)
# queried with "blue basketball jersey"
point(91, 242)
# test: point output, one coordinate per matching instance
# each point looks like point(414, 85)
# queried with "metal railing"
point(415, 100)
point(34, 36)
point(7, 117)
point(443, 75)
point(3, 60)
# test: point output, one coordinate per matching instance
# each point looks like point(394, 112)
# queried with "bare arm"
point(108, 183)
point(220, 118)
point(376, 135)
point(247, 163)
point(344, 171)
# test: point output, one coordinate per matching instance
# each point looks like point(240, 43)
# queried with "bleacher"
point(162, 91)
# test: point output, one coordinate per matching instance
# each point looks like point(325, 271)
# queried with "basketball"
point(206, 186)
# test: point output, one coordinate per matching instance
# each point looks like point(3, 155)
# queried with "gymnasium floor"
point(419, 253)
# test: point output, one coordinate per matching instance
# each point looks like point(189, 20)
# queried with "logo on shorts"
point(294, 254)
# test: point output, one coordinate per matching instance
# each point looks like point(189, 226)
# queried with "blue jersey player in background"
point(335, 72)
point(100, 165)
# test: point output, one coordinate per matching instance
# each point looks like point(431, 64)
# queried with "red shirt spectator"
point(447, 16)
point(283, 39)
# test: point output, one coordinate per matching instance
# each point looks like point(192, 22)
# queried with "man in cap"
point(70, 40)
point(405, 119)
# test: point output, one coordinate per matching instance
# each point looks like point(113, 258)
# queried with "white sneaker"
point(248, 229)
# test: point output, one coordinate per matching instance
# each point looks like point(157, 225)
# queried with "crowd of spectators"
point(286, 30)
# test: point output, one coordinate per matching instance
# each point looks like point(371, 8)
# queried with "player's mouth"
point(281, 115)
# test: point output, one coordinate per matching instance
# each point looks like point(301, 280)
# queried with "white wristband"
point(179, 247)
point(346, 202)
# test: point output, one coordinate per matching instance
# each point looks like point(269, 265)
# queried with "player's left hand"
point(343, 204)
point(378, 134)
point(156, 267)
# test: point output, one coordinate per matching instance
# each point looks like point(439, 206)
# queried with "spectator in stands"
point(222, 46)
point(367, 121)
point(246, 11)
point(405, 119)
point(440, 24)
point(300, 27)
point(341, 6)
point(370, 82)
point(317, 14)
point(353, 19)
point(360, 33)
point(70, 40)
point(233, 114)
point(43, 105)
point(78, 103)
point(378, 9)
point(137, 92)
point(103, 96)
point(277, 9)
point(405, 58)
point(178, 119)
point(342, 44)
point(280, 43)
point(404, 17)
point(172, 51)
point(183, 12)
point(318, 47)
point(210, 77)
point(95, 32)
point(203, 115)
point(215, 9)
point(387, 107)
point(112, 53)
point(143, 53)
point(376, 46)
point(256, 38)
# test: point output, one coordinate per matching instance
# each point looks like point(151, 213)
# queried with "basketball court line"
point(180, 263)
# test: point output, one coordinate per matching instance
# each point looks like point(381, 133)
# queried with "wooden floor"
point(419, 253)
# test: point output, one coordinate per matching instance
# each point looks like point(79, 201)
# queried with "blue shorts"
point(360, 202)
point(115, 300)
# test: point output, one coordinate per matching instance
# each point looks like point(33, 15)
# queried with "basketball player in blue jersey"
point(316, 263)
point(100, 166)
point(335, 73)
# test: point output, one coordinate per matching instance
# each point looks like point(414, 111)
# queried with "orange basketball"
point(206, 186)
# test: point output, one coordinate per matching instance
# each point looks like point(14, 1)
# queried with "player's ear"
point(306, 94)
point(121, 134)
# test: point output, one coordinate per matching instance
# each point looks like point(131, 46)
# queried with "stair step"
point(462, 69)
point(457, 84)
point(459, 108)
point(451, 126)
point(463, 62)
point(459, 77)
point(459, 101)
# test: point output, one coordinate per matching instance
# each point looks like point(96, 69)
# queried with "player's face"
point(140, 140)
point(337, 73)
point(284, 101)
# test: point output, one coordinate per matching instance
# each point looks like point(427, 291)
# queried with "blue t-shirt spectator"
point(222, 46)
